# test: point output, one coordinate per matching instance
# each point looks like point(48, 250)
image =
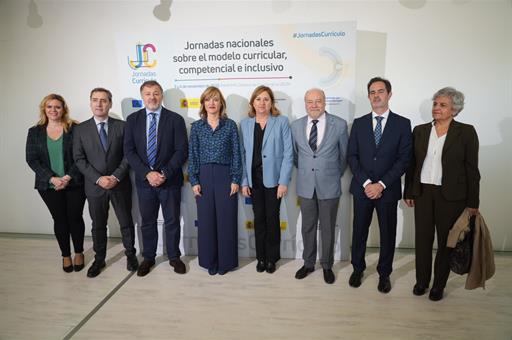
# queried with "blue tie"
point(313, 135)
point(378, 130)
point(103, 136)
point(152, 140)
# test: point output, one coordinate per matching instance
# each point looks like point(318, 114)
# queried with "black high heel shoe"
point(67, 269)
point(79, 267)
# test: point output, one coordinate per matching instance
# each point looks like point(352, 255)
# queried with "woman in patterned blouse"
point(215, 171)
point(267, 152)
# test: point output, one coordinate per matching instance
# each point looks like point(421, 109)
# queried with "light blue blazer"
point(277, 151)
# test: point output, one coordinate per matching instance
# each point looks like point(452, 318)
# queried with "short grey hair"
point(313, 90)
point(457, 98)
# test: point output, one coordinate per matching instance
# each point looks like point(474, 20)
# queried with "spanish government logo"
point(144, 57)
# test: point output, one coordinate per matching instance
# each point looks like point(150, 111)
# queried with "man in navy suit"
point(155, 144)
point(379, 151)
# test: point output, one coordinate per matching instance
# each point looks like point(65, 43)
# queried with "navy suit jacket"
point(386, 162)
point(172, 147)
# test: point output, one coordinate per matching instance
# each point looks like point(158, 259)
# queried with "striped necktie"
point(313, 135)
point(378, 130)
point(152, 140)
point(103, 136)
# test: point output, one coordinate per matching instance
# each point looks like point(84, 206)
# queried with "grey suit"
point(319, 185)
point(93, 161)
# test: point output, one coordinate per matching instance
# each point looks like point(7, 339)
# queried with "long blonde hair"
point(66, 121)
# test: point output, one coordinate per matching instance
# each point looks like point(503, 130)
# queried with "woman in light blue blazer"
point(267, 157)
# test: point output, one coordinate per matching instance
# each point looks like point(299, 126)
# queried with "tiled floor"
point(39, 301)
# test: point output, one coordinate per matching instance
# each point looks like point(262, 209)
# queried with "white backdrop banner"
point(288, 58)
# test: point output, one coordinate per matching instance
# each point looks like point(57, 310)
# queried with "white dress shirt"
point(320, 128)
point(98, 126)
point(432, 169)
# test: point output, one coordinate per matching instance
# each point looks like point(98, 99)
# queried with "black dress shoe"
point(178, 265)
point(145, 267)
point(271, 267)
point(223, 272)
point(419, 290)
point(212, 271)
point(303, 272)
point(436, 294)
point(132, 264)
point(95, 268)
point(384, 285)
point(79, 267)
point(329, 276)
point(67, 269)
point(355, 279)
point(261, 266)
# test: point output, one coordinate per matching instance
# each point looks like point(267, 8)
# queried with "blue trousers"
point(150, 200)
point(217, 214)
point(387, 215)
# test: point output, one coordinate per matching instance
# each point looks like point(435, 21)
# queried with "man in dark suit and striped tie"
point(379, 151)
point(156, 147)
point(98, 154)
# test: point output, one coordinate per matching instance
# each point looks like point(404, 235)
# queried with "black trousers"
point(432, 212)
point(267, 229)
point(98, 209)
point(66, 207)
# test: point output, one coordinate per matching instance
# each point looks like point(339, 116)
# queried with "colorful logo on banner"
point(190, 103)
point(143, 57)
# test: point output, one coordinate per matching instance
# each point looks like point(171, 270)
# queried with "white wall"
point(420, 46)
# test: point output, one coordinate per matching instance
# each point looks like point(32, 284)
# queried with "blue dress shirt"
point(219, 146)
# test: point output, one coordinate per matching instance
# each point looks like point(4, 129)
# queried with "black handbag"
point(461, 255)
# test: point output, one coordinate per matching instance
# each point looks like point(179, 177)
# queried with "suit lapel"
point(250, 136)
point(304, 129)
point(162, 124)
point(92, 130)
point(113, 126)
point(451, 136)
point(327, 132)
point(268, 129)
point(389, 129)
point(367, 121)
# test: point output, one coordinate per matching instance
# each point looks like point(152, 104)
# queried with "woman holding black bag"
point(442, 181)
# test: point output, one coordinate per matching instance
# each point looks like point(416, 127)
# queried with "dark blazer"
point(94, 162)
point(461, 178)
point(38, 159)
point(387, 162)
point(172, 147)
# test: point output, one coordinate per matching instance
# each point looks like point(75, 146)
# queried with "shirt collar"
point(157, 111)
point(384, 115)
point(222, 121)
point(321, 118)
point(97, 121)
